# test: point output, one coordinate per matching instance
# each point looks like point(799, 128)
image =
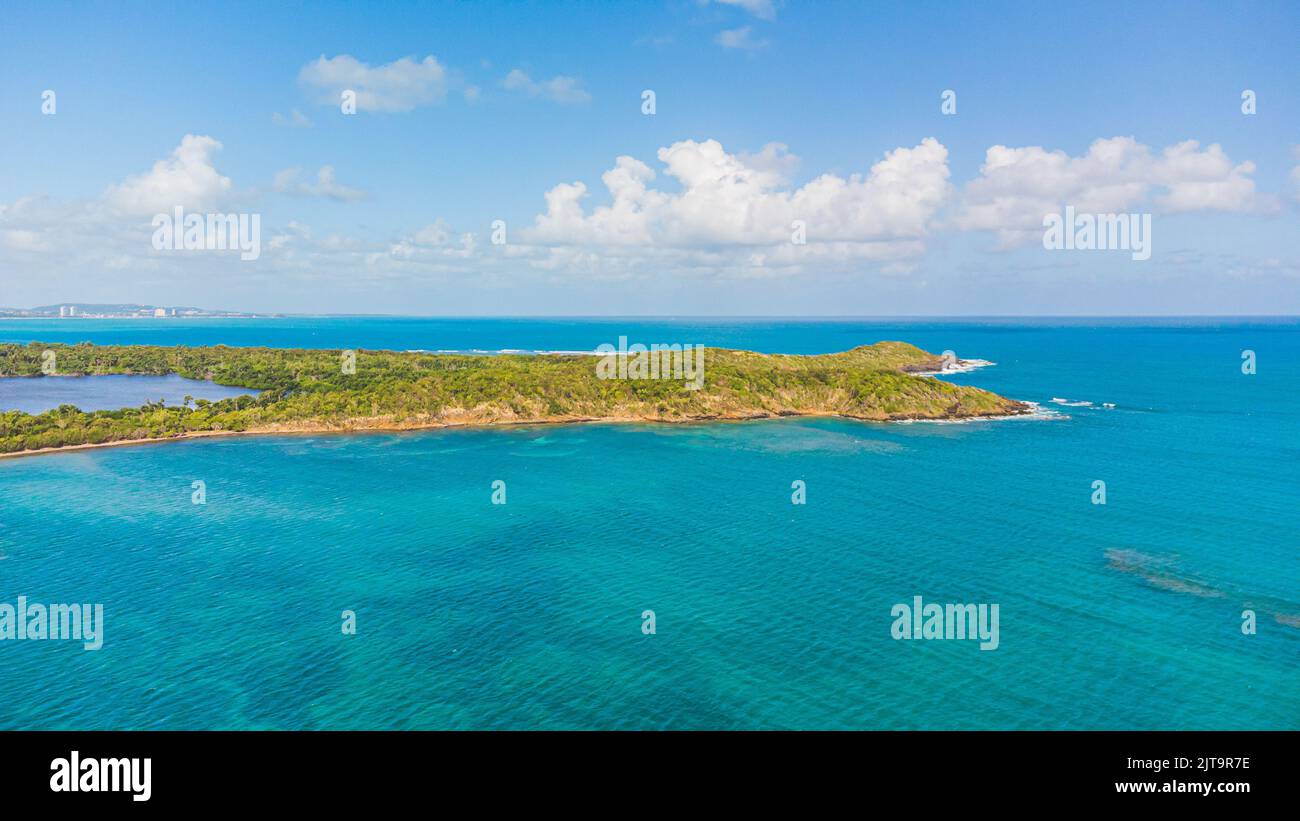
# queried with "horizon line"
point(677, 317)
point(274, 314)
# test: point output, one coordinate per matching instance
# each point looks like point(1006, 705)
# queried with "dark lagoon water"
point(1126, 615)
point(38, 394)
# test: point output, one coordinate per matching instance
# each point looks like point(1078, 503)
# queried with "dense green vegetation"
point(309, 390)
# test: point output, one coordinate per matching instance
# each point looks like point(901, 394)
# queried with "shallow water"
point(768, 614)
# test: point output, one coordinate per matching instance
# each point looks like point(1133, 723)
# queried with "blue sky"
point(522, 98)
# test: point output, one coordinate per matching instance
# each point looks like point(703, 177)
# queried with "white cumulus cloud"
point(1018, 186)
point(773, 157)
point(729, 212)
point(399, 86)
point(187, 178)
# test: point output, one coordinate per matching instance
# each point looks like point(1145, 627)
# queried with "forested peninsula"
point(293, 390)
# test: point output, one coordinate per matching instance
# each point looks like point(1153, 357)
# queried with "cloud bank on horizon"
point(699, 210)
point(730, 215)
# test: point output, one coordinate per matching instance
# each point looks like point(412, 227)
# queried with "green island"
point(309, 391)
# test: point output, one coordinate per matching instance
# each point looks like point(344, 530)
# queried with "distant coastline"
point(130, 310)
point(144, 317)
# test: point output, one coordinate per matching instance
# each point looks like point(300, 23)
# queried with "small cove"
point(107, 392)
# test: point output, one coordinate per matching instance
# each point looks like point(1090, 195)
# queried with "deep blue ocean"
point(1126, 615)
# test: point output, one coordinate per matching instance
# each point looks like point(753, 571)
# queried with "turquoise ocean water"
point(768, 614)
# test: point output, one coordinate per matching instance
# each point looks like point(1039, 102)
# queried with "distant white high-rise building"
point(72, 310)
point(63, 310)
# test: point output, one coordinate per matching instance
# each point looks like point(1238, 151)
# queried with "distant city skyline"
point(93, 310)
point(684, 158)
